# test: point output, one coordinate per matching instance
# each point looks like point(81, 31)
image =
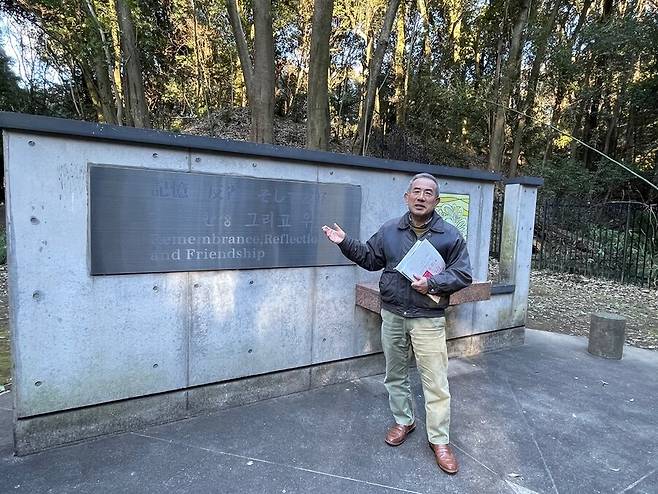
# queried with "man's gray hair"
point(424, 175)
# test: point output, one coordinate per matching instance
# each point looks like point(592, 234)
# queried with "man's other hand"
point(335, 234)
point(420, 285)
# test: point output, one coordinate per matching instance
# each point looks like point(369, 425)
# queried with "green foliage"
point(566, 178)
point(598, 80)
point(11, 95)
point(563, 178)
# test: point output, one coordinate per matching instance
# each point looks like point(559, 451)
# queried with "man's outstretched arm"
point(369, 256)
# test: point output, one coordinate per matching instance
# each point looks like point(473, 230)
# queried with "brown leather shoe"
point(445, 458)
point(397, 434)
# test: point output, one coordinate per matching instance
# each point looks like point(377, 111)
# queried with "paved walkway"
point(546, 417)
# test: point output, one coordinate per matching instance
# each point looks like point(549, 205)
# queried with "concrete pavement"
point(546, 417)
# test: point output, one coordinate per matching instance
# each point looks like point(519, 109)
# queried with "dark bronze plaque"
point(151, 221)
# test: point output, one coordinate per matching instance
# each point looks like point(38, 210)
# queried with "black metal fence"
point(615, 240)
point(496, 228)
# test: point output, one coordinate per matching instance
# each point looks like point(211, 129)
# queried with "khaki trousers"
point(427, 338)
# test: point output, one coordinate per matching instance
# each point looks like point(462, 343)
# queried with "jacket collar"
point(436, 223)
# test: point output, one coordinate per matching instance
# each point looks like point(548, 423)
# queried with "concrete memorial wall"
point(154, 276)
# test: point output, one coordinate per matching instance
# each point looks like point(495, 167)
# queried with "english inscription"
point(146, 221)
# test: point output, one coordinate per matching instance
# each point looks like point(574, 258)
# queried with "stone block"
point(607, 334)
point(367, 295)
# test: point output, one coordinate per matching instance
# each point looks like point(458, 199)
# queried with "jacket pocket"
point(425, 302)
point(387, 286)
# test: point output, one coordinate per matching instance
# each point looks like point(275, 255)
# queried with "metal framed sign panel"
point(153, 221)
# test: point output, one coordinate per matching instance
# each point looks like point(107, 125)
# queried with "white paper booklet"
point(422, 260)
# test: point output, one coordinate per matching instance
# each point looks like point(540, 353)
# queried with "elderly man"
point(410, 318)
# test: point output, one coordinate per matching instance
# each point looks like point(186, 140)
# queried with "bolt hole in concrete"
point(254, 165)
point(155, 366)
point(36, 295)
point(196, 285)
point(34, 220)
point(31, 143)
point(155, 288)
point(251, 282)
point(38, 383)
point(324, 339)
point(197, 159)
point(250, 350)
point(155, 155)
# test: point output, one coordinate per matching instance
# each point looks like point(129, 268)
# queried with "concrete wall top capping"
point(129, 135)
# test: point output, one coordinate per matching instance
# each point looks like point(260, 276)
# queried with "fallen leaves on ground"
point(564, 303)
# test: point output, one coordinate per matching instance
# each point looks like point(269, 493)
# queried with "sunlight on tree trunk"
point(132, 67)
point(317, 129)
point(529, 103)
point(259, 76)
point(400, 72)
point(374, 70)
point(509, 79)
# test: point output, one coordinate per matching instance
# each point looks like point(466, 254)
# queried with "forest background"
point(469, 83)
point(515, 86)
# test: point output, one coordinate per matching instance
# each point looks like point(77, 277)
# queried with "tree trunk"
point(629, 139)
point(302, 68)
point(509, 79)
point(374, 69)
point(365, 62)
point(259, 76)
point(103, 89)
point(454, 15)
point(317, 125)
point(562, 84)
point(400, 75)
point(653, 194)
point(200, 86)
point(99, 92)
point(262, 124)
point(116, 56)
point(110, 64)
point(610, 144)
point(424, 15)
point(528, 105)
point(592, 120)
point(555, 120)
point(132, 67)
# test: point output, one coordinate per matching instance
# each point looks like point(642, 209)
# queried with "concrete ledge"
point(367, 295)
point(238, 392)
point(467, 346)
point(41, 432)
point(528, 181)
point(347, 370)
point(55, 429)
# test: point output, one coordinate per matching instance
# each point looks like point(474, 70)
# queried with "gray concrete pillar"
point(607, 334)
point(516, 242)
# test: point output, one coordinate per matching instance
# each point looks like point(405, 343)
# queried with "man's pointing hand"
point(335, 234)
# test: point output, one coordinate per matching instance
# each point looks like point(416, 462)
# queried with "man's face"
point(422, 198)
